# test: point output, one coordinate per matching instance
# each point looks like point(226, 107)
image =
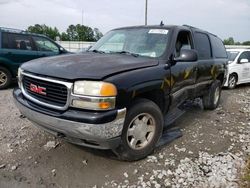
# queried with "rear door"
point(17, 48)
point(45, 47)
point(205, 62)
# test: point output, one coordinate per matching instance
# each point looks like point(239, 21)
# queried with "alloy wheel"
point(141, 131)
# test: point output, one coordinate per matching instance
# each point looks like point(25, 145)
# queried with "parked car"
point(121, 93)
point(17, 47)
point(238, 67)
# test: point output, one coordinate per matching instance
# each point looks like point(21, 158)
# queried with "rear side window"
point(5, 43)
point(202, 44)
point(219, 50)
point(17, 41)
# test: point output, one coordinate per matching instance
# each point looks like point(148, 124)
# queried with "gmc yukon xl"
point(124, 90)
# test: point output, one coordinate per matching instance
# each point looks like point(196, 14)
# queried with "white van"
point(238, 67)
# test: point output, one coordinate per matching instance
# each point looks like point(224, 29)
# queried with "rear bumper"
point(79, 131)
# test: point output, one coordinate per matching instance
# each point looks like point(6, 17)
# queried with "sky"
point(225, 18)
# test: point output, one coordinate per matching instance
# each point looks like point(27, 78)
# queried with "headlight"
point(94, 95)
point(94, 88)
point(19, 76)
point(19, 72)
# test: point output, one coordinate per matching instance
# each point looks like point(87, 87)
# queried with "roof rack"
point(190, 26)
point(12, 30)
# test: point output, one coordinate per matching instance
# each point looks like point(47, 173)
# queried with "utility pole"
point(82, 16)
point(146, 12)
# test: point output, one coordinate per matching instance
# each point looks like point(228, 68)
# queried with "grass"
point(246, 177)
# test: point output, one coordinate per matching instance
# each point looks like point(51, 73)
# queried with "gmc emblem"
point(37, 89)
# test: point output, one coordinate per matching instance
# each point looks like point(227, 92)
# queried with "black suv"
point(121, 93)
point(17, 47)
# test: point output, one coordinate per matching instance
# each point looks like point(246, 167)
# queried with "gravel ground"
point(211, 153)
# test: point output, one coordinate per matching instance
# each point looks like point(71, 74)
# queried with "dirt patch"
point(212, 152)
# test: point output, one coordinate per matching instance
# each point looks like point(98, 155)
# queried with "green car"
point(17, 47)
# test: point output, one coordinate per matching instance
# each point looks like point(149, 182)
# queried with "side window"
point(17, 41)
point(45, 45)
point(219, 50)
point(183, 42)
point(244, 55)
point(202, 45)
point(5, 42)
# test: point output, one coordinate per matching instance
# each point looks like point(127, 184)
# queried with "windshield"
point(141, 42)
point(232, 55)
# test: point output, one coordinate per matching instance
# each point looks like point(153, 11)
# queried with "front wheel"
point(5, 78)
point(142, 130)
point(232, 81)
point(212, 98)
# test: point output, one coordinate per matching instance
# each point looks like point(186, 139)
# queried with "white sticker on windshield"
point(158, 31)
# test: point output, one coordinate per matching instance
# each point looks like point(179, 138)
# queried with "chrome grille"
point(56, 93)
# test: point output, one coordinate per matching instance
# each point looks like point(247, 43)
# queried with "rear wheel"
point(232, 81)
point(141, 132)
point(212, 98)
point(5, 78)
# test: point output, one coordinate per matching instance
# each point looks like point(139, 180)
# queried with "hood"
point(87, 65)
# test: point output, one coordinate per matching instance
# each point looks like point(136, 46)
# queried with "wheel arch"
point(236, 74)
point(157, 96)
point(3, 64)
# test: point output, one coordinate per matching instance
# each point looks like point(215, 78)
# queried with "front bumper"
point(100, 135)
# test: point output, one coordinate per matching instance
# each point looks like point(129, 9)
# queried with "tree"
point(246, 43)
point(229, 41)
point(73, 33)
point(45, 30)
point(80, 33)
point(97, 34)
point(64, 36)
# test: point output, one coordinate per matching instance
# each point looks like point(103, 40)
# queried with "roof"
point(166, 27)
point(12, 30)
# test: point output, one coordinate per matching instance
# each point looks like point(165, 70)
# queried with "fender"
point(9, 65)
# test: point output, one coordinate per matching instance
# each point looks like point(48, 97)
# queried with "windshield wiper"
point(127, 53)
point(97, 51)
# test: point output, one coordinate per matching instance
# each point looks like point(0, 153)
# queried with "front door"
point(183, 74)
point(244, 67)
point(45, 47)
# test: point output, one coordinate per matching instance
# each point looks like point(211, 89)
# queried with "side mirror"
point(244, 61)
point(187, 55)
point(88, 48)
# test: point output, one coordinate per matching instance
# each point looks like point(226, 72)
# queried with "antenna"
point(161, 24)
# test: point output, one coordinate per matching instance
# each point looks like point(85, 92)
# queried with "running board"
point(168, 136)
point(173, 115)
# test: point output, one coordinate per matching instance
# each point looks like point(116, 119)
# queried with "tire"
point(212, 99)
point(5, 78)
point(232, 81)
point(141, 132)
